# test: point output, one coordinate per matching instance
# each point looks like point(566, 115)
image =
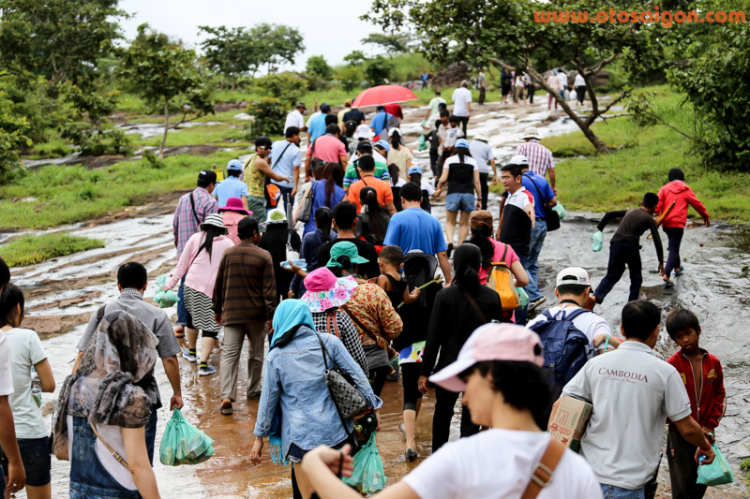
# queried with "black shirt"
point(354, 115)
point(516, 227)
point(364, 249)
point(274, 241)
point(634, 223)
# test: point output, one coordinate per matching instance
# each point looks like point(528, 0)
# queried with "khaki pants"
point(234, 337)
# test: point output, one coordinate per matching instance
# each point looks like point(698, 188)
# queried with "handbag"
point(305, 211)
point(348, 400)
point(550, 215)
point(272, 194)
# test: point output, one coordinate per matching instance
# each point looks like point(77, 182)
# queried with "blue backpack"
point(564, 345)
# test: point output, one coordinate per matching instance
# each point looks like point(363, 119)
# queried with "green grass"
point(55, 148)
point(745, 466)
point(28, 250)
point(596, 182)
point(69, 194)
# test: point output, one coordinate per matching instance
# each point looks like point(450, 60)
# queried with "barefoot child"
point(702, 375)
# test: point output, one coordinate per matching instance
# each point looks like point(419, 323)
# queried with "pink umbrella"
point(382, 95)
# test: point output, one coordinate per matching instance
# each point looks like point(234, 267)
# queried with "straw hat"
point(531, 133)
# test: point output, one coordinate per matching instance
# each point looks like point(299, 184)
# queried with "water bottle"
point(36, 387)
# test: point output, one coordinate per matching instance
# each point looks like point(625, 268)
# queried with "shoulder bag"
point(305, 211)
point(348, 400)
point(545, 470)
point(192, 205)
point(500, 278)
point(389, 350)
point(268, 179)
point(550, 215)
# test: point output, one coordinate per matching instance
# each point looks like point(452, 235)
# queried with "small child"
point(391, 260)
point(702, 375)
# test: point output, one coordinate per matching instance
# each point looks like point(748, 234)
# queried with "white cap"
point(573, 276)
point(363, 132)
point(519, 160)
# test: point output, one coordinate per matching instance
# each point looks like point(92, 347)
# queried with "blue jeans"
point(151, 435)
point(538, 234)
point(612, 492)
point(523, 313)
point(674, 236)
point(89, 479)
point(460, 202)
point(182, 313)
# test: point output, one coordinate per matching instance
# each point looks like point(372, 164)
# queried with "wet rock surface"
point(64, 292)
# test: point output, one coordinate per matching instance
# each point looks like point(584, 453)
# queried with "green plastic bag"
point(597, 241)
point(422, 143)
point(183, 443)
point(560, 209)
point(717, 473)
point(164, 299)
point(523, 298)
point(368, 476)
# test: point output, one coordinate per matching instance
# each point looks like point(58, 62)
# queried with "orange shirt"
point(383, 188)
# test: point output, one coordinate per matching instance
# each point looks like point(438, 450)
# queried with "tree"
point(351, 77)
point(515, 35)
point(318, 66)
point(60, 39)
point(392, 43)
point(233, 52)
point(166, 74)
point(378, 70)
point(13, 130)
point(278, 43)
point(356, 58)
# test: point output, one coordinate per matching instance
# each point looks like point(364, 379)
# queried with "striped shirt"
point(540, 158)
point(245, 288)
point(185, 223)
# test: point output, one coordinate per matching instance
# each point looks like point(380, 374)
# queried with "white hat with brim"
point(482, 136)
point(216, 221)
point(531, 133)
point(363, 132)
point(275, 216)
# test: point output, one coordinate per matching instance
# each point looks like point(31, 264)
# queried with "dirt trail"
point(64, 292)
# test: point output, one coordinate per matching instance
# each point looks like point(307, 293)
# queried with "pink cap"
point(491, 342)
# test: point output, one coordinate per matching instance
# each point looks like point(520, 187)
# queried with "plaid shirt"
point(185, 224)
point(540, 158)
point(347, 334)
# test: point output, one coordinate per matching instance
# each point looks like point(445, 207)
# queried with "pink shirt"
point(201, 274)
point(510, 258)
point(328, 148)
point(232, 220)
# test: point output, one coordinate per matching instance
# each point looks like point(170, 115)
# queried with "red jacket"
point(709, 407)
point(678, 190)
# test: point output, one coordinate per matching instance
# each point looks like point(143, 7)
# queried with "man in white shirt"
point(462, 104)
point(580, 85)
point(297, 118)
point(482, 153)
point(633, 393)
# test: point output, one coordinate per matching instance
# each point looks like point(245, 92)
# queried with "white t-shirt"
point(113, 436)
point(25, 351)
point(456, 160)
point(461, 97)
point(520, 82)
point(451, 136)
point(521, 198)
point(6, 376)
point(580, 82)
point(589, 323)
point(563, 78)
point(294, 118)
point(482, 153)
point(499, 463)
point(427, 186)
point(633, 393)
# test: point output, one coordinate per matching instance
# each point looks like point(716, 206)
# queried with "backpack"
point(500, 279)
point(564, 345)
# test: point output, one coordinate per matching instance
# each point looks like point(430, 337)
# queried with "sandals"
point(226, 407)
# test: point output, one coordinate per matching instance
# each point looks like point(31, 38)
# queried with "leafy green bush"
point(285, 87)
point(270, 116)
point(378, 70)
point(318, 66)
point(28, 250)
point(13, 130)
point(351, 78)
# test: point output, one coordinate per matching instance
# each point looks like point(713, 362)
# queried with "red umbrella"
point(382, 95)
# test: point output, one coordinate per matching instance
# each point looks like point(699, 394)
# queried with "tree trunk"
point(166, 129)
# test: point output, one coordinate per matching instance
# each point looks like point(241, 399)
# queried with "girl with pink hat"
point(232, 213)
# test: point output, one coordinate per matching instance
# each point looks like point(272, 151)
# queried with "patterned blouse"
point(346, 333)
point(371, 306)
point(254, 178)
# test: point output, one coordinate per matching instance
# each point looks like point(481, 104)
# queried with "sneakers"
point(534, 304)
point(206, 371)
point(192, 357)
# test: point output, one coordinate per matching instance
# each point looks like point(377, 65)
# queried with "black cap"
point(364, 147)
point(208, 176)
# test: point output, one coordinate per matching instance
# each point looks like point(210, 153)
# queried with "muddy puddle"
point(64, 292)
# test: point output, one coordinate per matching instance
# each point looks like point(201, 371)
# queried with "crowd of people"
point(338, 276)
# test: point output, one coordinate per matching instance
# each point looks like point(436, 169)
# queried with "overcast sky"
point(329, 27)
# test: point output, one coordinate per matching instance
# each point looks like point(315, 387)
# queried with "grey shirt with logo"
point(155, 319)
point(633, 394)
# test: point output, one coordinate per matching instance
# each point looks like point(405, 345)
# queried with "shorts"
point(35, 456)
point(460, 202)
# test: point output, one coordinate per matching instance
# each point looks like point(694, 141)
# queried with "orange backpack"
point(500, 279)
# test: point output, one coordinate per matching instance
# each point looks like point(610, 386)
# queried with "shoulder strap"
point(280, 156)
point(100, 313)
point(331, 318)
point(505, 252)
point(114, 453)
point(325, 352)
point(476, 307)
point(192, 204)
point(544, 471)
point(354, 319)
point(536, 187)
point(575, 313)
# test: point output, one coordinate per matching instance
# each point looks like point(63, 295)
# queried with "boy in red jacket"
point(674, 224)
point(702, 375)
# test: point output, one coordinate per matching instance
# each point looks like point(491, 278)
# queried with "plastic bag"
point(523, 298)
point(368, 476)
point(560, 209)
point(717, 473)
point(183, 443)
point(422, 143)
point(167, 298)
point(597, 242)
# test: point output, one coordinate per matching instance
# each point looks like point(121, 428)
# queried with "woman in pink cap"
point(232, 213)
point(325, 294)
point(499, 371)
